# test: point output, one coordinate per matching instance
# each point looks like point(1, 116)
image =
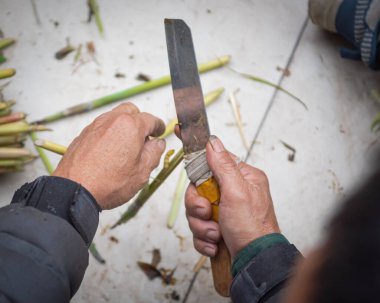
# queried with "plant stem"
point(51, 146)
point(7, 73)
point(14, 153)
point(14, 117)
point(149, 189)
point(95, 9)
point(178, 195)
point(6, 42)
point(266, 82)
point(209, 99)
point(138, 89)
point(19, 127)
point(43, 156)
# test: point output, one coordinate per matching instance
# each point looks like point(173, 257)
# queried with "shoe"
point(358, 21)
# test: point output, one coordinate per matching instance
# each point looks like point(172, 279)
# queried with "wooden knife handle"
point(221, 263)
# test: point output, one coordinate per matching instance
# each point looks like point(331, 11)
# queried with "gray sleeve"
point(44, 237)
point(263, 279)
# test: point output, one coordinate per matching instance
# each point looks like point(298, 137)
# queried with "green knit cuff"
point(254, 248)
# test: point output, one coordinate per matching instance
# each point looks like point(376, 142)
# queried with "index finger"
point(152, 125)
point(196, 205)
point(127, 107)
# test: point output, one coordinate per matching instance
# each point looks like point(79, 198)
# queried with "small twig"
point(51, 146)
point(35, 12)
point(292, 155)
point(95, 253)
point(236, 111)
point(198, 266)
point(266, 82)
point(178, 196)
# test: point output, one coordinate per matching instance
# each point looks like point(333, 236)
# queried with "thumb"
point(222, 165)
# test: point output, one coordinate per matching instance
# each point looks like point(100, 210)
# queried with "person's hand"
point(114, 156)
point(245, 211)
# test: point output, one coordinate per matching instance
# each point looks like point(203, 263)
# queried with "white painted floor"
point(332, 138)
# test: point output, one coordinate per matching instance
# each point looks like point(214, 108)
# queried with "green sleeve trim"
point(254, 248)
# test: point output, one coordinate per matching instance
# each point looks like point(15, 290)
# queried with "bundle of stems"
point(124, 94)
point(13, 130)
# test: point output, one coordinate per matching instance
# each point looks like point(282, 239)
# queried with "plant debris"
point(236, 110)
point(143, 77)
point(292, 155)
point(114, 239)
point(266, 82)
point(95, 253)
point(156, 257)
point(152, 272)
point(119, 75)
point(93, 10)
point(285, 71)
point(175, 296)
point(63, 52)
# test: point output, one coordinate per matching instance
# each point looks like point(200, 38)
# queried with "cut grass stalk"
point(6, 170)
point(14, 162)
point(124, 94)
point(149, 189)
point(7, 140)
point(7, 73)
point(236, 111)
point(51, 146)
point(42, 154)
point(14, 153)
point(13, 117)
point(7, 104)
point(177, 200)
point(19, 127)
point(266, 82)
point(4, 43)
point(95, 9)
point(209, 99)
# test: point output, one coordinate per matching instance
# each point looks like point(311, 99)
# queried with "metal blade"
point(187, 90)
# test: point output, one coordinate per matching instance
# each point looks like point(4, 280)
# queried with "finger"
point(152, 125)
point(223, 166)
point(177, 131)
point(127, 107)
point(152, 152)
point(204, 230)
point(205, 248)
point(196, 205)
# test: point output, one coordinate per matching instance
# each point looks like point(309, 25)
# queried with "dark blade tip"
point(168, 21)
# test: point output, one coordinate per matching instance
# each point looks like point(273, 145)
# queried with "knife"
point(195, 133)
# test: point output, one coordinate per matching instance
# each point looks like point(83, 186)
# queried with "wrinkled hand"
point(245, 211)
point(113, 156)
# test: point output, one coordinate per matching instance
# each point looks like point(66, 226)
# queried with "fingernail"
point(161, 144)
point(210, 251)
point(212, 235)
point(216, 144)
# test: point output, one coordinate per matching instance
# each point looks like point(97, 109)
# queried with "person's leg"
point(358, 21)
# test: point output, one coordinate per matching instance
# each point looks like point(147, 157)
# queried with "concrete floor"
point(333, 139)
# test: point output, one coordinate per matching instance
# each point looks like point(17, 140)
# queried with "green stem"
point(7, 73)
point(266, 82)
point(149, 189)
point(138, 89)
point(177, 201)
point(43, 156)
point(95, 9)
point(6, 42)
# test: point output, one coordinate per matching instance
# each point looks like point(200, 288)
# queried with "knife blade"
point(195, 132)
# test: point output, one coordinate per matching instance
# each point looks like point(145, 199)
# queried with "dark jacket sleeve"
point(44, 237)
point(263, 279)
